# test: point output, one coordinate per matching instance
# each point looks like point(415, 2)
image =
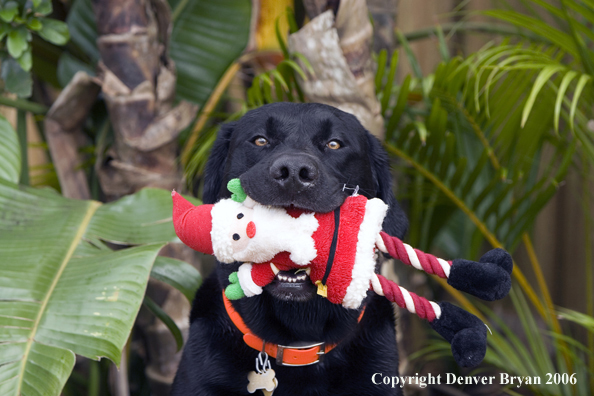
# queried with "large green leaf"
point(10, 152)
point(62, 291)
point(207, 37)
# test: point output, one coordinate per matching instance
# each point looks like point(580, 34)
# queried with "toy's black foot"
point(466, 333)
point(489, 279)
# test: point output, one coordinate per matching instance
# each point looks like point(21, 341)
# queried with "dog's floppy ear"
point(395, 223)
point(215, 167)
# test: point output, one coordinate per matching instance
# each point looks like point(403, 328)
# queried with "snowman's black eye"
point(236, 237)
point(239, 216)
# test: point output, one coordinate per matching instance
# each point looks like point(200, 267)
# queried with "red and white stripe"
point(420, 306)
point(410, 256)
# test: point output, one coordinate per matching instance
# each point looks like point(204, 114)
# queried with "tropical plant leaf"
point(166, 319)
point(10, 152)
point(83, 29)
point(584, 320)
point(207, 37)
point(52, 250)
point(16, 80)
point(178, 274)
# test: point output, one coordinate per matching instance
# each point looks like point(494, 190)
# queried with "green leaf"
point(545, 75)
point(569, 76)
point(584, 79)
point(444, 51)
point(584, 320)
point(44, 8)
point(34, 24)
point(399, 108)
point(178, 274)
point(381, 67)
point(389, 83)
point(422, 129)
point(144, 217)
point(280, 39)
point(26, 60)
point(414, 63)
point(9, 10)
point(16, 80)
point(207, 38)
point(17, 42)
point(83, 29)
point(54, 31)
point(538, 26)
point(68, 66)
point(4, 29)
point(167, 321)
point(55, 301)
point(10, 152)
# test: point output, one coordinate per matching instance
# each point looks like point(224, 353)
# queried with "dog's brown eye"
point(333, 144)
point(260, 141)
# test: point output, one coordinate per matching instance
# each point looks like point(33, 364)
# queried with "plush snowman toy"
point(338, 251)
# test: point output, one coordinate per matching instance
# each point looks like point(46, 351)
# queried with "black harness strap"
point(332, 246)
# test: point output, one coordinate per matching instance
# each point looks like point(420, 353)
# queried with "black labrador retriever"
point(311, 157)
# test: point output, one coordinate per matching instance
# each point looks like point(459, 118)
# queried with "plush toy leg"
point(489, 279)
point(465, 332)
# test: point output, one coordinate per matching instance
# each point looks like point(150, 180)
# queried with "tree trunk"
point(138, 83)
point(339, 51)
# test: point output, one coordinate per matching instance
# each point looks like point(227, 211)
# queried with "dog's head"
point(304, 156)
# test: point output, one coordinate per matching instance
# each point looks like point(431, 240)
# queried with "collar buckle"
point(301, 346)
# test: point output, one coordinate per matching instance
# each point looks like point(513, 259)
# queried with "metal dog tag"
point(264, 377)
point(265, 381)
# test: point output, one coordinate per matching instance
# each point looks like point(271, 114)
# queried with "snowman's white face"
point(242, 229)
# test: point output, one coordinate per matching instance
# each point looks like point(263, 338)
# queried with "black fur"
point(216, 361)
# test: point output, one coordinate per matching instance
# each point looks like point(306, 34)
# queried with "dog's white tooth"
point(274, 269)
point(308, 271)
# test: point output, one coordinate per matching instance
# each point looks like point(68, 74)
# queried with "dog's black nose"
point(294, 171)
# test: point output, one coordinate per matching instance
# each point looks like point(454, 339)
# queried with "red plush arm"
point(262, 274)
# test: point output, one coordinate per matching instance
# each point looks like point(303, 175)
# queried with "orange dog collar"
point(285, 355)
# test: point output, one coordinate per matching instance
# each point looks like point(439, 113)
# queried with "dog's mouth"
point(293, 285)
point(311, 199)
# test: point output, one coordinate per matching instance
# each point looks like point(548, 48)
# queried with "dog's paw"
point(234, 290)
point(489, 279)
